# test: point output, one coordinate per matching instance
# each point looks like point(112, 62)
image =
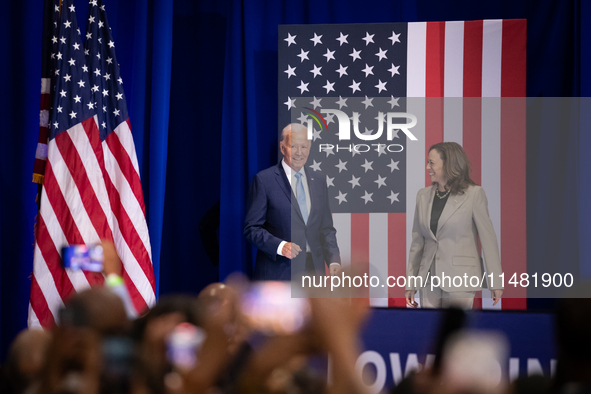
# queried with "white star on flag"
point(329, 181)
point(355, 54)
point(316, 166)
point(367, 197)
point(367, 102)
point(290, 39)
point(316, 39)
point(316, 102)
point(316, 71)
point(341, 197)
point(381, 54)
point(342, 39)
point(342, 70)
point(329, 87)
point(381, 86)
point(393, 165)
point(290, 103)
point(303, 55)
point(394, 38)
point(290, 71)
point(354, 181)
point(368, 38)
point(394, 102)
point(355, 86)
point(342, 166)
point(394, 69)
point(368, 70)
point(380, 181)
point(367, 165)
point(393, 197)
point(329, 55)
point(303, 87)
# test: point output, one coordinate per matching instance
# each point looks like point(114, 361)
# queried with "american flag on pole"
point(92, 189)
point(48, 51)
point(463, 80)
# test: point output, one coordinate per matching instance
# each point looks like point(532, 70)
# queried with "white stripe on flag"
point(491, 170)
point(491, 129)
point(491, 57)
point(33, 321)
point(41, 152)
point(415, 167)
point(125, 137)
point(416, 59)
point(454, 59)
point(453, 82)
point(45, 85)
point(378, 258)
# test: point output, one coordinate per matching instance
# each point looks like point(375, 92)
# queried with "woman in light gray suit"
point(450, 217)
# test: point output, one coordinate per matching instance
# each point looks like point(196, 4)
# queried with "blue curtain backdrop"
point(200, 79)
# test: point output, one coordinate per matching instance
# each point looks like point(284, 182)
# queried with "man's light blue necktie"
point(301, 196)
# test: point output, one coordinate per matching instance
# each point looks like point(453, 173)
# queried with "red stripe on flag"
point(513, 159)
point(360, 250)
point(472, 107)
point(433, 127)
point(434, 89)
point(472, 101)
point(396, 257)
point(473, 59)
point(472, 144)
point(435, 53)
point(40, 306)
point(513, 63)
point(513, 198)
point(45, 101)
point(39, 166)
point(43, 134)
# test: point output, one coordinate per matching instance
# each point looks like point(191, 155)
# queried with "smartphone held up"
point(83, 257)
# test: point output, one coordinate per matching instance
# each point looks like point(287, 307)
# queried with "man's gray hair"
point(289, 128)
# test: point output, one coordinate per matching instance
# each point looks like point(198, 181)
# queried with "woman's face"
point(435, 167)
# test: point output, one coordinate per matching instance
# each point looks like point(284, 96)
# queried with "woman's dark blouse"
point(438, 205)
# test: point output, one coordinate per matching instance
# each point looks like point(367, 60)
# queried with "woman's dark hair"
point(456, 166)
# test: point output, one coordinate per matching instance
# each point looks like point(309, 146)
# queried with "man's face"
point(295, 148)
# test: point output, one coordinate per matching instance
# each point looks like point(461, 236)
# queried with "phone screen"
point(183, 344)
point(83, 257)
point(270, 309)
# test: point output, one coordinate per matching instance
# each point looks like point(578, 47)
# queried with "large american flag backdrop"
point(92, 188)
point(463, 80)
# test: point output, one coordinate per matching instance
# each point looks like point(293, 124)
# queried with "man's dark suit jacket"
point(274, 215)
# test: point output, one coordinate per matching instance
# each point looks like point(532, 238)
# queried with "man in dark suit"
point(288, 217)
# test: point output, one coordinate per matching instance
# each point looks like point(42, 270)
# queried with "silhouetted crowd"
point(231, 339)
